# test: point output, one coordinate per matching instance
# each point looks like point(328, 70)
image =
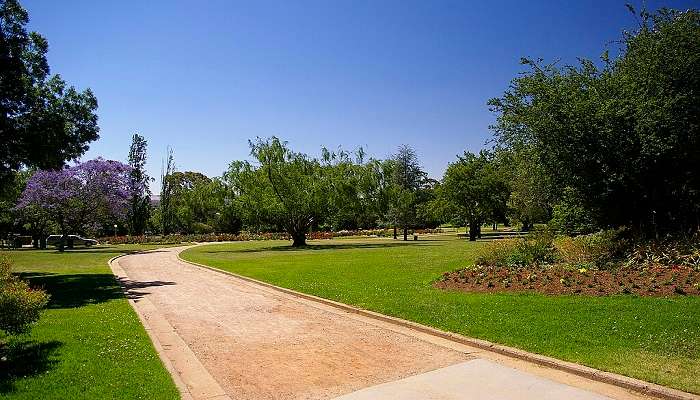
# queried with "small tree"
point(475, 189)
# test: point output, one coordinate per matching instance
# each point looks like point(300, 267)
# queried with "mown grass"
point(654, 339)
point(89, 343)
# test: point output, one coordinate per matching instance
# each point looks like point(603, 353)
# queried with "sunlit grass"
point(89, 343)
point(655, 339)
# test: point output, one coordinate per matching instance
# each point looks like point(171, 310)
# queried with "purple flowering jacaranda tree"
point(82, 197)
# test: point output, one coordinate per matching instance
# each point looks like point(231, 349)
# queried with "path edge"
point(158, 347)
point(637, 385)
point(182, 386)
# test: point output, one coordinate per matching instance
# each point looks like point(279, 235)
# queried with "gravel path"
point(258, 344)
point(223, 338)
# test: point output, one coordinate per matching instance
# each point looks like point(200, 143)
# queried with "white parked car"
point(55, 240)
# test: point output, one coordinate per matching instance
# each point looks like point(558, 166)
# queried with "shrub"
point(669, 251)
point(201, 228)
point(597, 250)
point(20, 305)
point(534, 250)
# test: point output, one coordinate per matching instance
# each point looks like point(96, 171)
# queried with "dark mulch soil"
point(651, 281)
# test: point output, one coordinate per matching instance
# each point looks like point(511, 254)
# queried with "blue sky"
point(206, 76)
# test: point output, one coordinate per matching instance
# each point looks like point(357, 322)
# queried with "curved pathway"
point(223, 337)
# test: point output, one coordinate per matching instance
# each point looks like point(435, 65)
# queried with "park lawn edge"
point(644, 387)
point(227, 266)
point(103, 349)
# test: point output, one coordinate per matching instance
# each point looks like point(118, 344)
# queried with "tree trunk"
point(298, 239)
point(394, 232)
point(473, 231)
point(62, 243)
point(405, 234)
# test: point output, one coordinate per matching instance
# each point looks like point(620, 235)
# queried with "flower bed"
point(557, 279)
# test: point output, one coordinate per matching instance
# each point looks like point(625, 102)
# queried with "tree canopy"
point(286, 189)
point(624, 134)
point(475, 190)
point(43, 122)
point(81, 198)
point(139, 207)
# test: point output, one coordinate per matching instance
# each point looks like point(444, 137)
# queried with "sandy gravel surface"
point(260, 344)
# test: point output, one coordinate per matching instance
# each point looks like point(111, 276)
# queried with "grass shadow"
point(77, 290)
point(25, 358)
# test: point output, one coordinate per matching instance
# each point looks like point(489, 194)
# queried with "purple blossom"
point(83, 196)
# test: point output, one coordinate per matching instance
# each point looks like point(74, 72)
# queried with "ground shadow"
point(342, 246)
point(132, 287)
point(77, 290)
point(25, 358)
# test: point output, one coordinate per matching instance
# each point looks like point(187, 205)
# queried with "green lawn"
point(89, 344)
point(655, 339)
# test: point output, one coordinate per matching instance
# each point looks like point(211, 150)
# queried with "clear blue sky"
point(205, 76)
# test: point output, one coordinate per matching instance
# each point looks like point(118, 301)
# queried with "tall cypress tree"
point(139, 207)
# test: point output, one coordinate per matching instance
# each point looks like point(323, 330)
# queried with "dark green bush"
point(20, 305)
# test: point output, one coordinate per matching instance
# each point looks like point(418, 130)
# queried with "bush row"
point(204, 237)
point(229, 237)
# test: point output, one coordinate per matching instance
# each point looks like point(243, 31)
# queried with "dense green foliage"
point(407, 183)
point(654, 339)
point(140, 202)
point(88, 343)
point(625, 135)
point(43, 122)
point(476, 190)
point(20, 305)
point(287, 189)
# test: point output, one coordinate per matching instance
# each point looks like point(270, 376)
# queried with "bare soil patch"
point(554, 280)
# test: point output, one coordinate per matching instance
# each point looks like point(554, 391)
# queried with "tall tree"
point(43, 122)
point(166, 210)
point(140, 203)
point(287, 189)
point(354, 189)
point(624, 135)
point(407, 179)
